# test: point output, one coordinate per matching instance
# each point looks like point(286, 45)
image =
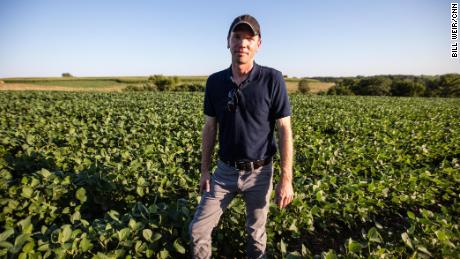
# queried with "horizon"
point(328, 39)
point(137, 76)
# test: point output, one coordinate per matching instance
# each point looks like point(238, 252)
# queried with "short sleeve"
point(208, 107)
point(280, 101)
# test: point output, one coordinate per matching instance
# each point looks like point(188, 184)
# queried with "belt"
point(248, 165)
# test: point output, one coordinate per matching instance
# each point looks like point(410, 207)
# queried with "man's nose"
point(243, 42)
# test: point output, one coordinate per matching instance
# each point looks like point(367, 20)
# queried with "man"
point(243, 103)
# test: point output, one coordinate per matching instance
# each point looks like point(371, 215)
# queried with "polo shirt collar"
point(253, 74)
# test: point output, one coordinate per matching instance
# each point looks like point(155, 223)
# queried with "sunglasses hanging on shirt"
point(232, 103)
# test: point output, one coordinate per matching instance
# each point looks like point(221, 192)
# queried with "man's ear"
point(259, 43)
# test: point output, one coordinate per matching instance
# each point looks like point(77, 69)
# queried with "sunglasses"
point(232, 99)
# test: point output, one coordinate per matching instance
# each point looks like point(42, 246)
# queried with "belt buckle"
point(246, 166)
point(239, 165)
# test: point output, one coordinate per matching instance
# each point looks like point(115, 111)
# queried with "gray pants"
point(255, 187)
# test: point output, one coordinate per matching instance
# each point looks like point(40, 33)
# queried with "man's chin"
point(241, 61)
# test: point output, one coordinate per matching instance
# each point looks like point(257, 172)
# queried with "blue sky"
point(299, 38)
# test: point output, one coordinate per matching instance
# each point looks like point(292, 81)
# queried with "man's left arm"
point(284, 189)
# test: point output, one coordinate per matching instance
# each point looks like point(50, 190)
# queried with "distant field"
point(316, 86)
point(107, 84)
point(79, 83)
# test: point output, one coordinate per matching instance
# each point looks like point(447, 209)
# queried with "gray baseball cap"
point(248, 20)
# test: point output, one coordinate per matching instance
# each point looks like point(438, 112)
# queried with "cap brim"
point(246, 23)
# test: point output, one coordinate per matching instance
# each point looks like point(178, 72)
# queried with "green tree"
point(407, 87)
point(449, 85)
point(377, 85)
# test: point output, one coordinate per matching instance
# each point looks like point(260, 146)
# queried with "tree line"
point(447, 85)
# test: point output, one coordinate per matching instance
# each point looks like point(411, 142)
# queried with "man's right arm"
point(209, 134)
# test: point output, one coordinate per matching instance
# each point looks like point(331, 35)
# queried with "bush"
point(66, 75)
point(304, 86)
point(340, 90)
point(164, 83)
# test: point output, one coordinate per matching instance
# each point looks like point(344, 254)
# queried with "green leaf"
point(81, 194)
point(423, 250)
point(141, 181)
point(293, 226)
point(140, 191)
point(411, 215)
point(407, 241)
point(321, 196)
point(114, 215)
point(304, 250)
point(123, 234)
point(26, 226)
point(353, 246)
point(6, 234)
point(374, 236)
point(85, 245)
point(329, 255)
point(19, 242)
point(100, 255)
point(444, 238)
point(29, 247)
point(5, 244)
point(76, 216)
point(27, 191)
point(132, 224)
point(147, 234)
point(30, 139)
point(156, 237)
point(179, 248)
point(65, 233)
point(282, 247)
point(44, 247)
point(164, 254)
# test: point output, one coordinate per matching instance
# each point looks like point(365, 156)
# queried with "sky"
point(45, 38)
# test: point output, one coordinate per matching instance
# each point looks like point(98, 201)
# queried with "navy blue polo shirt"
point(247, 133)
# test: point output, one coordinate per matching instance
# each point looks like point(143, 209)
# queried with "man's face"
point(243, 45)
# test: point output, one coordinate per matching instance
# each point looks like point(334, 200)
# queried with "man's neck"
point(241, 71)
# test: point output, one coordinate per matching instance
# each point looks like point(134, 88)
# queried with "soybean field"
point(115, 175)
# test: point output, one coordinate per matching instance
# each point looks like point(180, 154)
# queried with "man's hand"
point(205, 185)
point(284, 190)
point(209, 139)
point(284, 193)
